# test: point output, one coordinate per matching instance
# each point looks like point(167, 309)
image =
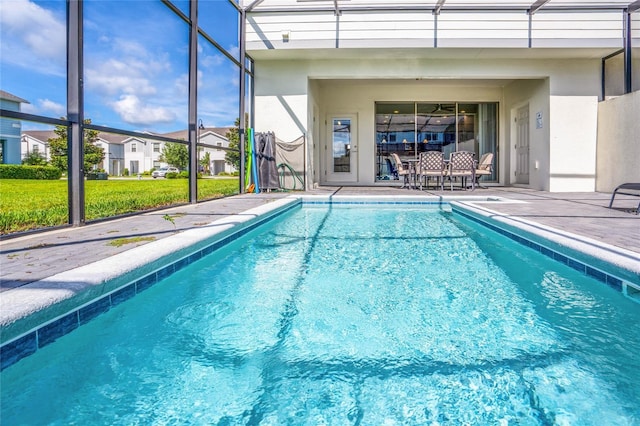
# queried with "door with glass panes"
point(341, 149)
point(410, 128)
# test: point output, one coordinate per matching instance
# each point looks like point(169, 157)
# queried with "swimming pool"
point(375, 315)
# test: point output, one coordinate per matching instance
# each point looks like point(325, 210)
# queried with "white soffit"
point(428, 53)
point(345, 5)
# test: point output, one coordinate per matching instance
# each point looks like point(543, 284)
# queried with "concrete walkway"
point(34, 257)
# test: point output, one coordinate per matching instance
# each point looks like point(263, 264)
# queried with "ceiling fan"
point(444, 109)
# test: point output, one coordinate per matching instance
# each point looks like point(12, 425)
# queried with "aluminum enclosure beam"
point(75, 113)
point(193, 102)
point(243, 89)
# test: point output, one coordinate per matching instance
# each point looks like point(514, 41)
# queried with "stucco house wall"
point(562, 91)
point(312, 60)
point(10, 129)
point(618, 146)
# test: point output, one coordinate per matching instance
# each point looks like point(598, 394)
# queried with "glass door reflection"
point(409, 128)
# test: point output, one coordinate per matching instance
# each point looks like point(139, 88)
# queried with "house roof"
point(41, 135)
point(45, 135)
point(9, 97)
point(184, 134)
point(112, 137)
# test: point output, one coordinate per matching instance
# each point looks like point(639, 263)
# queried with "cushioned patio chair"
point(627, 189)
point(484, 167)
point(462, 165)
point(401, 169)
point(431, 164)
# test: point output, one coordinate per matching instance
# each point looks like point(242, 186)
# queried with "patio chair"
point(484, 167)
point(431, 164)
point(461, 165)
point(624, 190)
point(401, 169)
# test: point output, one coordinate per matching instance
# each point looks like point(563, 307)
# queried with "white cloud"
point(235, 51)
point(116, 76)
point(129, 79)
point(181, 84)
point(211, 61)
point(133, 111)
point(45, 107)
point(32, 36)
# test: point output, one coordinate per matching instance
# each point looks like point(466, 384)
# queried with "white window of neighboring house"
point(156, 164)
point(134, 147)
point(35, 148)
point(219, 144)
point(156, 147)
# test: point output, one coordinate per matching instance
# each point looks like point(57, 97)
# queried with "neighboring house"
point(36, 141)
point(113, 147)
point(137, 154)
point(210, 136)
point(216, 136)
point(10, 129)
point(140, 155)
point(545, 88)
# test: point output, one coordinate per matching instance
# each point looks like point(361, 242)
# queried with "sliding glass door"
point(408, 128)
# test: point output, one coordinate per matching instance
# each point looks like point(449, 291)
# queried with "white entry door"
point(341, 149)
point(522, 146)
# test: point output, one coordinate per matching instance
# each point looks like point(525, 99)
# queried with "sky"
point(135, 62)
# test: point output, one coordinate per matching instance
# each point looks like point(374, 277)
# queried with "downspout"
point(627, 51)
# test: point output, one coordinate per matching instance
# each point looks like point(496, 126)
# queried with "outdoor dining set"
point(461, 165)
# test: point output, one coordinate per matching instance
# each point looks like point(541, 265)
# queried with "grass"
point(122, 241)
point(33, 204)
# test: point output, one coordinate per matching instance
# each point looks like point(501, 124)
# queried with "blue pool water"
point(348, 316)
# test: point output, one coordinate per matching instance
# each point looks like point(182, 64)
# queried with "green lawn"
point(32, 204)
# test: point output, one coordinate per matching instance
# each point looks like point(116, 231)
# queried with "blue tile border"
point(18, 349)
point(605, 278)
point(23, 346)
point(123, 294)
point(370, 202)
point(54, 330)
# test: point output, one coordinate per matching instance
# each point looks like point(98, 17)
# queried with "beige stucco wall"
point(294, 98)
point(535, 95)
point(350, 97)
point(572, 148)
point(618, 147)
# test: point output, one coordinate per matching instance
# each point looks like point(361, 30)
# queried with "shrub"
point(125, 172)
point(171, 175)
point(183, 175)
point(34, 158)
point(15, 171)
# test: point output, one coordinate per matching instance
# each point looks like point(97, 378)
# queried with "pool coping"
point(36, 304)
point(614, 266)
point(30, 319)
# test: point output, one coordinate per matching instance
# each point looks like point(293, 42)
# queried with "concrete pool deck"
point(31, 263)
